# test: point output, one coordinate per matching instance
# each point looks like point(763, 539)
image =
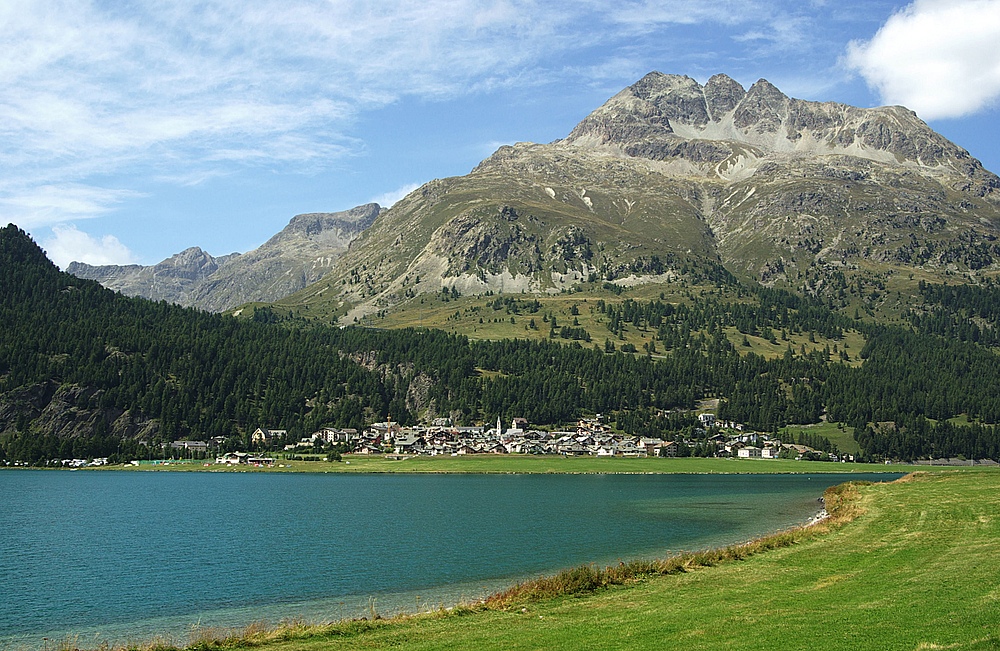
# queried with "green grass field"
point(916, 568)
point(839, 434)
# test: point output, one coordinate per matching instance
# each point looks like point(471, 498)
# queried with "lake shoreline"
point(574, 582)
point(734, 491)
point(642, 503)
point(531, 464)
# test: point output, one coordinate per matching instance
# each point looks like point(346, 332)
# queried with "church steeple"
point(499, 426)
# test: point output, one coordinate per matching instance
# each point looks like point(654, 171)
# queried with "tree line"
point(200, 375)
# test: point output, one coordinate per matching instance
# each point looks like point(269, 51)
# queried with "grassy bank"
point(906, 565)
point(515, 463)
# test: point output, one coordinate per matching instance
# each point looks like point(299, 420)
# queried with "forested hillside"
point(86, 372)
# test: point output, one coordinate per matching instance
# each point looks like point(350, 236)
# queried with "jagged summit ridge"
point(664, 117)
point(320, 227)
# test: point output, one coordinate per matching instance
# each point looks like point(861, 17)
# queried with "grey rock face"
point(171, 280)
point(764, 108)
point(651, 117)
point(68, 411)
point(300, 254)
point(674, 98)
point(722, 94)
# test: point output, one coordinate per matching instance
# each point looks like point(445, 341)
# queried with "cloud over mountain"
point(940, 58)
point(68, 243)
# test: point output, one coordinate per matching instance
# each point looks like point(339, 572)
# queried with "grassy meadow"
point(839, 434)
point(476, 317)
point(904, 565)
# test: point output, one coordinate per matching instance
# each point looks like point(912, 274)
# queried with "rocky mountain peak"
point(674, 118)
point(301, 253)
point(326, 227)
point(673, 97)
point(722, 95)
point(191, 259)
point(669, 174)
point(314, 223)
point(162, 281)
point(763, 109)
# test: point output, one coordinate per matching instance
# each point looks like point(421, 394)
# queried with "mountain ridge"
point(659, 106)
point(301, 253)
point(669, 175)
point(666, 179)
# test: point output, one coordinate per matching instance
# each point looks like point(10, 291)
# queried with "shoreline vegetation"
point(904, 564)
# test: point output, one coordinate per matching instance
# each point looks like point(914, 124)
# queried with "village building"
point(667, 449)
point(334, 436)
point(265, 436)
point(368, 448)
point(770, 452)
point(495, 447)
point(465, 448)
point(408, 444)
point(190, 446)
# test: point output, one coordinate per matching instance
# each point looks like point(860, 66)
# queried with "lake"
point(125, 556)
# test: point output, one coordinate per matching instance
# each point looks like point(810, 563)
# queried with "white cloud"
point(69, 244)
point(160, 89)
point(782, 33)
point(387, 199)
point(175, 90)
point(940, 58)
point(46, 204)
point(648, 13)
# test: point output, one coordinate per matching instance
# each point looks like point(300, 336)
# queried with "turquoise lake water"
point(126, 556)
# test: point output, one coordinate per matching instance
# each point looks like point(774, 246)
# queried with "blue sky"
point(133, 130)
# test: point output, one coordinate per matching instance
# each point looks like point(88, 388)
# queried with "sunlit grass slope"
point(916, 568)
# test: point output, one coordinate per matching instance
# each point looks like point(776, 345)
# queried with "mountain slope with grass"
point(672, 181)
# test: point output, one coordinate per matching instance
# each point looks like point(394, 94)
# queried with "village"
point(590, 437)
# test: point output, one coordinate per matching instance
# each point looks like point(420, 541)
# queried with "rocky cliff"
point(670, 117)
